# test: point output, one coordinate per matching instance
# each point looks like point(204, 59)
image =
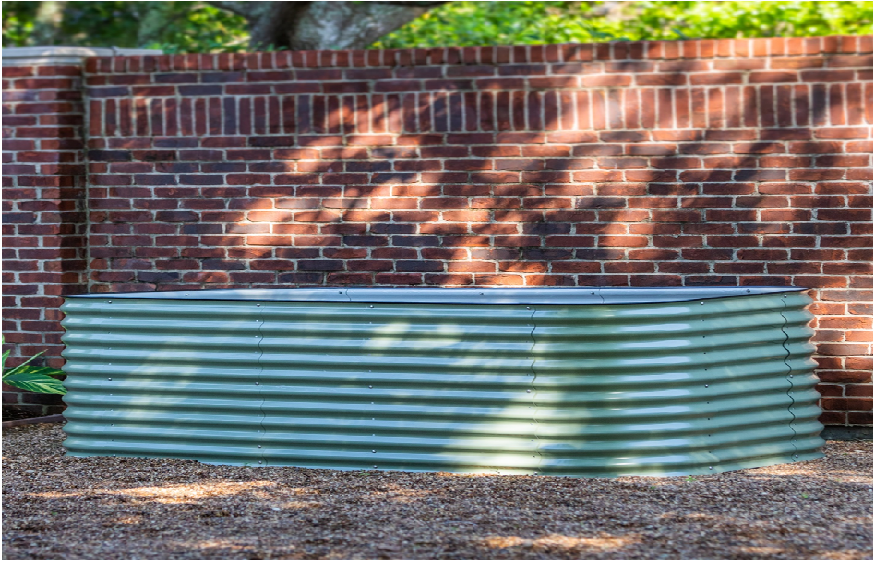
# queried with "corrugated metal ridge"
point(467, 295)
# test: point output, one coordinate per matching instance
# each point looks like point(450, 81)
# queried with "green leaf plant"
point(36, 379)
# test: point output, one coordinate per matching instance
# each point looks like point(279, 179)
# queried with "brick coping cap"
point(57, 55)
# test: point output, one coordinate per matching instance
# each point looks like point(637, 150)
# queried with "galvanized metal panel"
point(684, 387)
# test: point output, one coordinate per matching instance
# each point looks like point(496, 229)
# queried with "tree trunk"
point(323, 25)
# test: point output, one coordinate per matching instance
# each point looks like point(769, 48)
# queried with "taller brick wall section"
point(44, 215)
point(736, 162)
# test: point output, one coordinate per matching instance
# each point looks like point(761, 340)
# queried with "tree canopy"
point(191, 27)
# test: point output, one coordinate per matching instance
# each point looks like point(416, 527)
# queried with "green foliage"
point(515, 23)
point(197, 27)
point(36, 379)
point(175, 27)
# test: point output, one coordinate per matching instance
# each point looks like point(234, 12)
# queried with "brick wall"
point(44, 238)
point(736, 162)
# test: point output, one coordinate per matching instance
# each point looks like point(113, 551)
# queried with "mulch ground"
point(57, 507)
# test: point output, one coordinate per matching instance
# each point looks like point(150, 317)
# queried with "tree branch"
point(323, 25)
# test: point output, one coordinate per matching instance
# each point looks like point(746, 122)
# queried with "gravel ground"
point(56, 507)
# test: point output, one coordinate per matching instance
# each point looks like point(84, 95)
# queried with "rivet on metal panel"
point(259, 445)
point(791, 376)
point(705, 385)
point(711, 467)
point(371, 306)
point(529, 308)
point(109, 378)
point(375, 466)
point(371, 402)
point(374, 451)
point(702, 304)
point(259, 462)
point(528, 390)
point(110, 301)
point(370, 386)
point(257, 383)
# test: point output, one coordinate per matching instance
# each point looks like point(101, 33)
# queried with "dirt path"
point(57, 507)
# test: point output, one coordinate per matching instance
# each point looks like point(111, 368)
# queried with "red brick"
point(722, 181)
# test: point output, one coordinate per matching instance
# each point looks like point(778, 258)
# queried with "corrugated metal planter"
point(582, 382)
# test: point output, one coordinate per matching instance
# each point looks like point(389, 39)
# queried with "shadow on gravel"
point(112, 508)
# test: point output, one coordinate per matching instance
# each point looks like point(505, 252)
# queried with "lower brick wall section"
point(667, 163)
